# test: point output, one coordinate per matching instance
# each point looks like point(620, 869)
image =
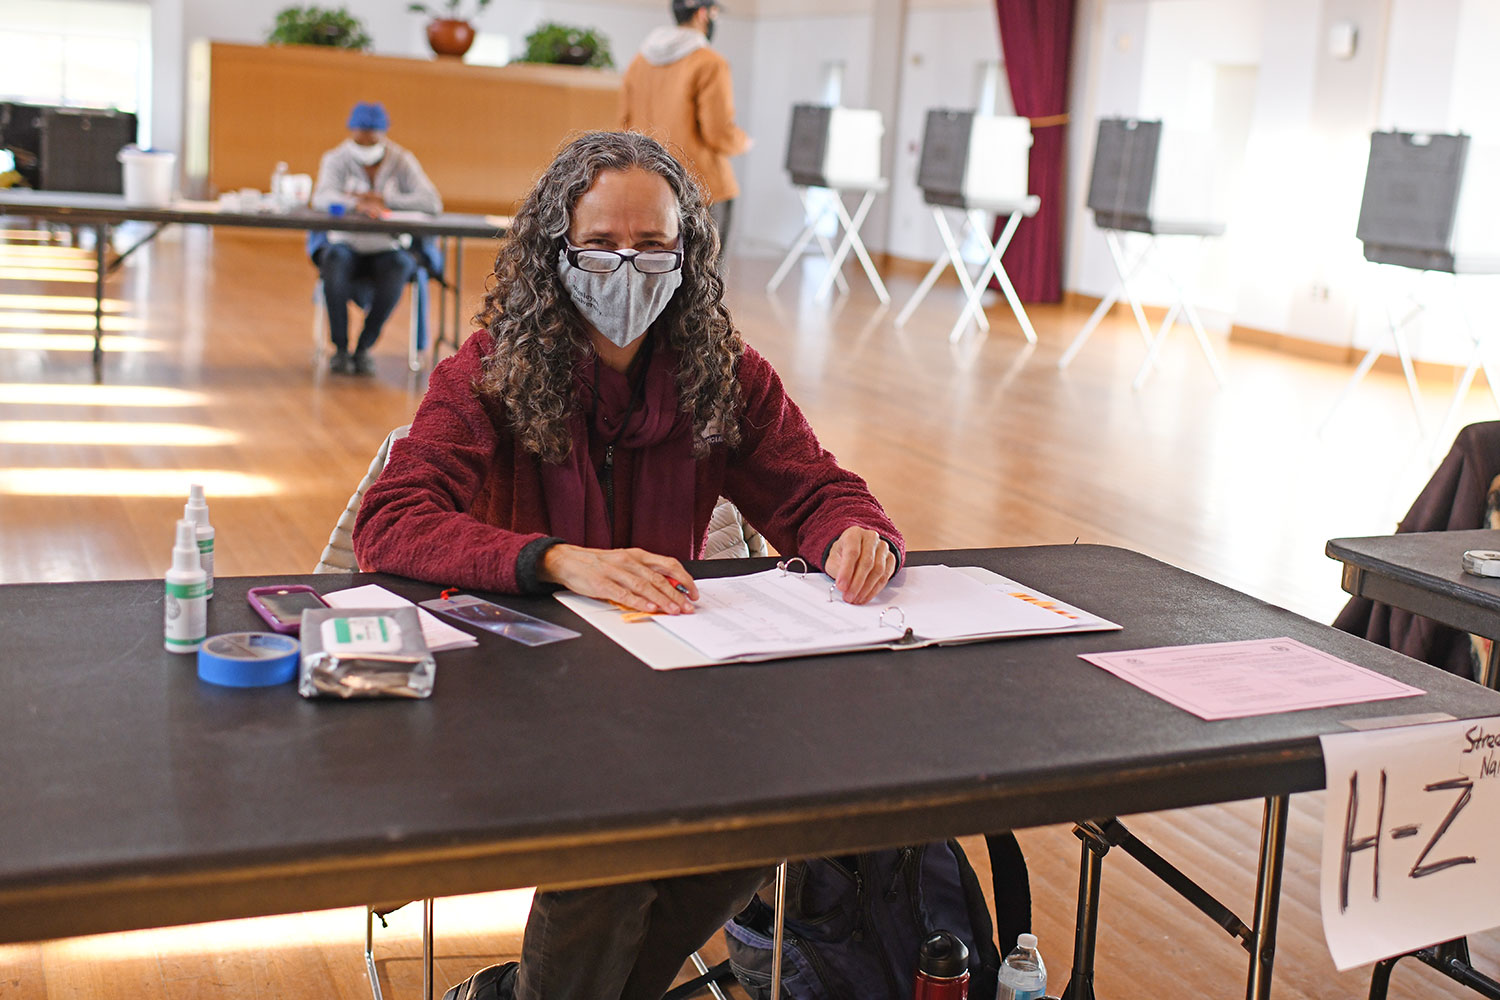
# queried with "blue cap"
point(370, 115)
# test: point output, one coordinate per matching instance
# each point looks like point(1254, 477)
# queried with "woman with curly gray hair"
point(583, 436)
point(581, 439)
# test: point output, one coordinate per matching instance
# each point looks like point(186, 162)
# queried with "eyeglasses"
point(605, 261)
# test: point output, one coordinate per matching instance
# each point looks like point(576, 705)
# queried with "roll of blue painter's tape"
point(248, 659)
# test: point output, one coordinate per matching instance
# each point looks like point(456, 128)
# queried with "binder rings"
point(787, 612)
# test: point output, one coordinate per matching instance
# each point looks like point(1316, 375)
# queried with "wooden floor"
point(209, 378)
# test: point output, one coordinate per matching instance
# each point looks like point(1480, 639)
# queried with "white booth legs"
point(851, 239)
point(994, 269)
point(1154, 341)
point(950, 246)
point(1183, 307)
point(971, 291)
point(1478, 358)
point(1122, 287)
point(1398, 337)
point(810, 231)
point(973, 288)
point(1117, 254)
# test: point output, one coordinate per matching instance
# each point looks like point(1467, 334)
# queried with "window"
point(833, 83)
point(993, 90)
point(78, 53)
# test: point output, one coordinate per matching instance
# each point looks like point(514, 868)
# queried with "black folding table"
point(136, 795)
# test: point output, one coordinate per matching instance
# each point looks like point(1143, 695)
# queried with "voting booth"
point(838, 150)
point(834, 147)
point(1153, 181)
point(977, 165)
point(1430, 204)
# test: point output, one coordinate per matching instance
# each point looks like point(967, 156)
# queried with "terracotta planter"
point(449, 37)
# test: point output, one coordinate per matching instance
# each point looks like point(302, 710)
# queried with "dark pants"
point(625, 941)
point(721, 212)
point(374, 278)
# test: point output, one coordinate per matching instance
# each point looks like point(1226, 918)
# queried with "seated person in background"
point(367, 174)
point(581, 439)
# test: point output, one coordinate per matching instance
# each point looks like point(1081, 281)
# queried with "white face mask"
point(621, 304)
point(367, 155)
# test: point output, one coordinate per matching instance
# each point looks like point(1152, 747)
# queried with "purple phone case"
point(285, 628)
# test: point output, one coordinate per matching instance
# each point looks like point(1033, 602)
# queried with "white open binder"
point(784, 613)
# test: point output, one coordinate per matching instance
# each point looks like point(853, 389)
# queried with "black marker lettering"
point(1352, 846)
point(1419, 870)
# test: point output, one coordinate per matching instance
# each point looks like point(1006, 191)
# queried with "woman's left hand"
point(861, 564)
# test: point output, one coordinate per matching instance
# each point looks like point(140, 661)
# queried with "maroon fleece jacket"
point(460, 499)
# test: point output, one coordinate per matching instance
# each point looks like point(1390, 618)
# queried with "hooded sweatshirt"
point(678, 90)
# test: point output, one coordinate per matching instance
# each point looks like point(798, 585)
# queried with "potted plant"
point(448, 30)
point(561, 43)
point(333, 26)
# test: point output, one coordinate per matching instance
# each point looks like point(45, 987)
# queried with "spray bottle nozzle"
point(185, 547)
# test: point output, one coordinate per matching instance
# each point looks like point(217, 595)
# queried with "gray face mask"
point(622, 304)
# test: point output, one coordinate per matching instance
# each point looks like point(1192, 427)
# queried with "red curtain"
point(1037, 37)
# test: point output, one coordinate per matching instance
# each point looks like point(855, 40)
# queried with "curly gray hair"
point(539, 334)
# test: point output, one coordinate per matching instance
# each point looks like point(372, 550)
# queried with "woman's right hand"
point(635, 578)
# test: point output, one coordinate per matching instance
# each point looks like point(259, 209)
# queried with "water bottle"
point(1022, 974)
point(280, 197)
point(942, 969)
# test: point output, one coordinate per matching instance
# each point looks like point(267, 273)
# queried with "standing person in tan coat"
point(679, 91)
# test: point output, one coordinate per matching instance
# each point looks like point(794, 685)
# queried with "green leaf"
point(334, 27)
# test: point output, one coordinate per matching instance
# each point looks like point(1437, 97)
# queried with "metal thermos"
point(942, 969)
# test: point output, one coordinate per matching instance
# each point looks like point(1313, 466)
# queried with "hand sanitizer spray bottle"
point(196, 511)
point(186, 603)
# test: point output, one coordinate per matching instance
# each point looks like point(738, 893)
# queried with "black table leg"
point(101, 245)
point(1086, 934)
point(458, 291)
point(443, 300)
point(1267, 897)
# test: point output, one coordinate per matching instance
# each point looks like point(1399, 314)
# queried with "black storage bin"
point(78, 149)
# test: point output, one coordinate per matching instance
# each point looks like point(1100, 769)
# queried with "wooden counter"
point(482, 133)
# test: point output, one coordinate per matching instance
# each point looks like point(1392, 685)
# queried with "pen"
point(680, 588)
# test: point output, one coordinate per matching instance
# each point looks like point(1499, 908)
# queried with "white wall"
point(1191, 64)
point(944, 54)
point(787, 66)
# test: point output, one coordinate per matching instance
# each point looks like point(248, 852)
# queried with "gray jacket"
point(399, 179)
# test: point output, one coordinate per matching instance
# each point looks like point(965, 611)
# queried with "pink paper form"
point(1230, 680)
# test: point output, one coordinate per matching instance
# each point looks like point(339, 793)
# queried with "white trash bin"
point(149, 175)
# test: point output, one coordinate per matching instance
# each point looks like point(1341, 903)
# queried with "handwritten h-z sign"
point(1410, 853)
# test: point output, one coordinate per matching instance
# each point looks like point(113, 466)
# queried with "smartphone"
point(282, 606)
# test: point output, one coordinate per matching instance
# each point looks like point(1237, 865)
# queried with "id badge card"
point(522, 628)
